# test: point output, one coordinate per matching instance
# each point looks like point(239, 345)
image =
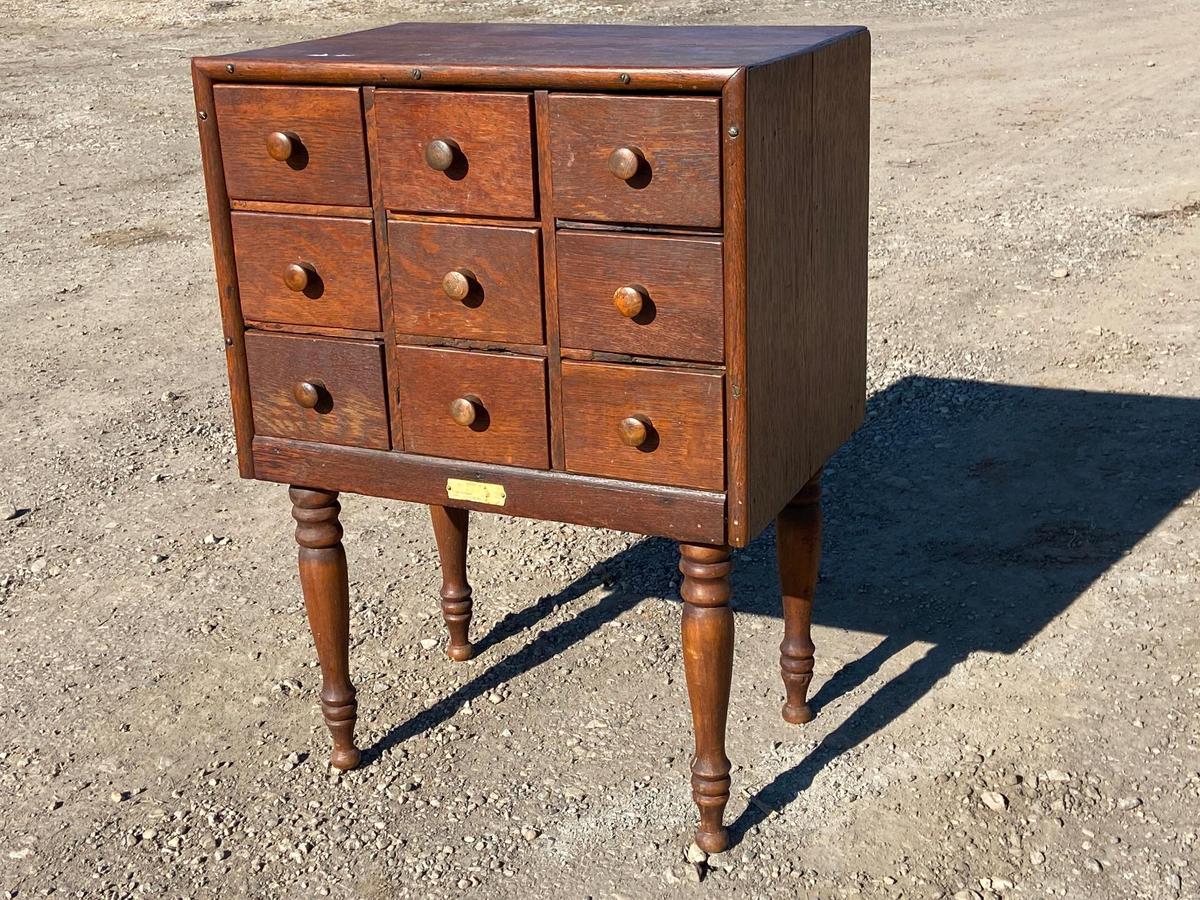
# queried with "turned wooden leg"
point(798, 547)
point(708, 666)
point(327, 599)
point(450, 532)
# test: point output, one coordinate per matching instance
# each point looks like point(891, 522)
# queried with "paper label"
point(475, 491)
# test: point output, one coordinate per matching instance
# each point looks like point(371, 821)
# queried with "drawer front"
point(466, 281)
point(306, 270)
point(636, 159)
point(293, 144)
point(642, 423)
point(445, 152)
point(484, 407)
point(641, 295)
point(318, 389)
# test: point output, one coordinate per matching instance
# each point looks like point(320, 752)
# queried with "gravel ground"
point(1006, 677)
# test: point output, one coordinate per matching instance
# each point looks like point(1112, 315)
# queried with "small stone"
point(158, 558)
point(967, 895)
point(1150, 64)
point(1037, 857)
point(149, 834)
point(23, 853)
point(1060, 272)
point(994, 800)
point(1093, 865)
point(1002, 884)
point(1057, 775)
point(1128, 803)
point(495, 697)
point(428, 643)
point(211, 539)
point(169, 397)
point(695, 855)
point(38, 564)
point(530, 834)
point(118, 796)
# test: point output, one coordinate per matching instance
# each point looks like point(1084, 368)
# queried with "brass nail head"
point(734, 131)
point(624, 78)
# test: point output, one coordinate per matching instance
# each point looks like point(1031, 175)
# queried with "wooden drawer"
point(681, 414)
point(318, 389)
point(675, 176)
point(506, 398)
point(306, 270)
point(315, 134)
point(498, 268)
point(486, 166)
point(642, 295)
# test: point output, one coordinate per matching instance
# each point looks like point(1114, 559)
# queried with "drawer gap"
point(670, 362)
point(577, 225)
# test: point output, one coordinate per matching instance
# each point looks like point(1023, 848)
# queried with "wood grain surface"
point(494, 174)
point(383, 270)
point(681, 316)
point(541, 124)
point(331, 165)
point(340, 252)
point(807, 145)
point(505, 301)
point(676, 513)
point(511, 428)
point(733, 265)
point(437, 47)
point(353, 409)
point(232, 323)
point(680, 182)
point(683, 407)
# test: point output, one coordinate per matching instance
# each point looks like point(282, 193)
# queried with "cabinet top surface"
point(566, 46)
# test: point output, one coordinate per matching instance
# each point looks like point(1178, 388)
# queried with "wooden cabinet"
point(611, 275)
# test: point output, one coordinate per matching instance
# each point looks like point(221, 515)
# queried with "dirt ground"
point(1006, 677)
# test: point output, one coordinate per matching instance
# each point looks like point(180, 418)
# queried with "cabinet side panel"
point(227, 287)
point(806, 232)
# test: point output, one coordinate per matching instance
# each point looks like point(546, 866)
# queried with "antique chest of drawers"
point(609, 275)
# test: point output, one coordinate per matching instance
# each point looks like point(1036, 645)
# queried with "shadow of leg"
point(854, 674)
point(882, 708)
point(630, 566)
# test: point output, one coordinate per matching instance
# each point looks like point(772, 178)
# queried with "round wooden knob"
point(629, 300)
point(440, 154)
point(634, 431)
point(624, 162)
point(281, 145)
point(298, 276)
point(465, 410)
point(307, 394)
point(457, 283)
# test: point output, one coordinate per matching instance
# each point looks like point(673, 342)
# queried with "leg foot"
point(798, 547)
point(327, 600)
point(707, 632)
point(450, 532)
